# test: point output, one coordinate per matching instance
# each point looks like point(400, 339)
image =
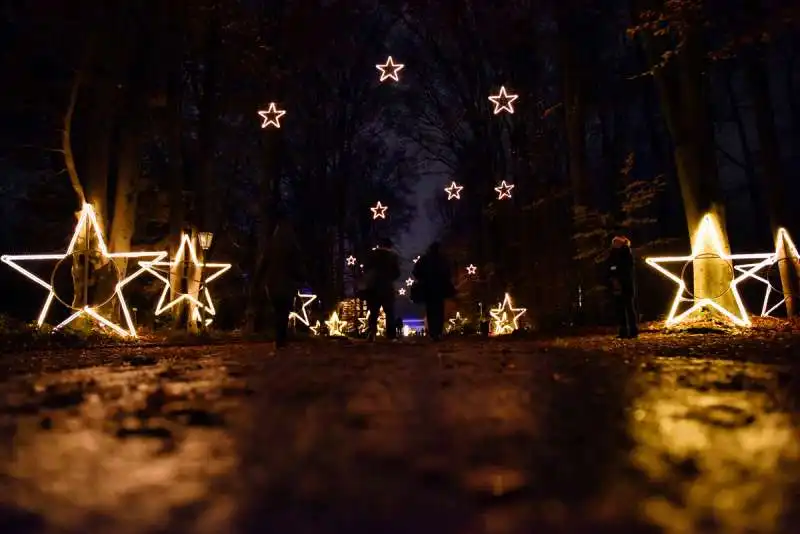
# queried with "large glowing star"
point(504, 190)
point(351, 261)
point(156, 268)
point(379, 211)
point(454, 191)
point(87, 222)
point(390, 70)
point(471, 269)
point(335, 325)
point(308, 298)
point(506, 317)
point(781, 240)
point(707, 234)
point(503, 101)
point(272, 116)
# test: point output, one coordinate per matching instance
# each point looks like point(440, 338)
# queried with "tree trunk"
point(770, 159)
point(681, 85)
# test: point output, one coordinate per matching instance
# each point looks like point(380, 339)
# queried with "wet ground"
point(688, 433)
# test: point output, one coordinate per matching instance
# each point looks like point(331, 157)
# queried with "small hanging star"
point(454, 191)
point(506, 99)
point(471, 269)
point(504, 190)
point(379, 211)
point(415, 260)
point(401, 291)
point(409, 282)
point(390, 70)
point(272, 116)
point(351, 260)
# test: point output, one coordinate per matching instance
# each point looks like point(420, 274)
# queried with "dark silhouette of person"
point(623, 286)
point(284, 275)
point(432, 273)
point(381, 269)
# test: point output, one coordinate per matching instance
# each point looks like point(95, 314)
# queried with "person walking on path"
point(623, 286)
point(381, 269)
point(432, 273)
point(284, 275)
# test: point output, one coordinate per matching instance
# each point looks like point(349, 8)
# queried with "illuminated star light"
point(471, 269)
point(363, 322)
point(504, 190)
point(308, 299)
point(415, 260)
point(335, 325)
point(208, 305)
point(454, 191)
point(379, 211)
point(315, 329)
point(272, 116)
point(506, 99)
point(781, 239)
point(456, 322)
point(390, 70)
point(706, 234)
point(87, 217)
point(351, 260)
point(506, 317)
point(409, 282)
point(401, 291)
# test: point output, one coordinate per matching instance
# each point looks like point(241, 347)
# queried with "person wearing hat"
point(623, 286)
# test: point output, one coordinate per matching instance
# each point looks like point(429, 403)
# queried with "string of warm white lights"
point(87, 225)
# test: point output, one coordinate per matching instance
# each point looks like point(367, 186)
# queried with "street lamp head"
point(205, 239)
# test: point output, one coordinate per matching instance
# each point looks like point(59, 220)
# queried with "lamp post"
point(205, 239)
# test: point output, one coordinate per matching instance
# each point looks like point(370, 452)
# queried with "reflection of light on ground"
point(722, 456)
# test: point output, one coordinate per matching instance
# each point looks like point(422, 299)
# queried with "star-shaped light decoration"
point(415, 260)
point(503, 101)
point(471, 269)
point(87, 222)
point(782, 242)
point(308, 298)
point(315, 329)
point(390, 70)
point(379, 211)
point(409, 282)
point(161, 269)
point(505, 318)
point(504, 190)
point(272, 116)
point(335, 325)
point(401, 291)
point(456, 323)
point(707, 234)
point(453, 191)
point(351, 260)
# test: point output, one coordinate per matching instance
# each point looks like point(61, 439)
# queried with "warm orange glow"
point(782, 239)
point(86, 222)
point(707, 235)
point(335, 325)
point(308, 298)
point(505, 317)
point(155, 267)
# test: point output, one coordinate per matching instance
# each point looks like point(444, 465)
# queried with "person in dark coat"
point(432, 273)
point(623, 285)
point(381, 269)
point(284, 275)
